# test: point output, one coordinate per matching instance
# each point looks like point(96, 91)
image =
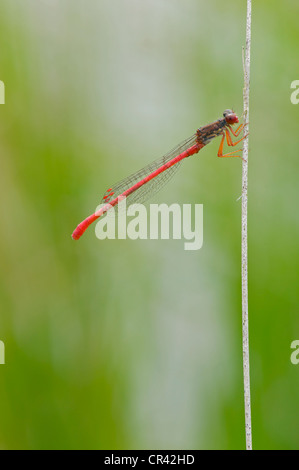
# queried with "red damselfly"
point(144, 183)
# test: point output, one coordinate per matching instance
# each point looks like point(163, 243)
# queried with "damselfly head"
point(230, 117)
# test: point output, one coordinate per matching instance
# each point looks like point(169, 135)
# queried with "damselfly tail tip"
point(76, 234)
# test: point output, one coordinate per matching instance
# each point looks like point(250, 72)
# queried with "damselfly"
point(144, 183)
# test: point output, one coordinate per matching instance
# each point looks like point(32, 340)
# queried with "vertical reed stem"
point(245, 330)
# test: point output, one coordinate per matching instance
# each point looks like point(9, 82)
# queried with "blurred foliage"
point(137, 344)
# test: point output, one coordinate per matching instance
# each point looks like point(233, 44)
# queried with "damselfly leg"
point(230, 143)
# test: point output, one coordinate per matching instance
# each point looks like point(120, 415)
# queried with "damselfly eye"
point(231, 118)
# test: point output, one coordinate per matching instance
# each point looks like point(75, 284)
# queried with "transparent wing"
point(151, 187)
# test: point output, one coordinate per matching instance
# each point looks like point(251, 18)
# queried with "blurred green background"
point(123, 344)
